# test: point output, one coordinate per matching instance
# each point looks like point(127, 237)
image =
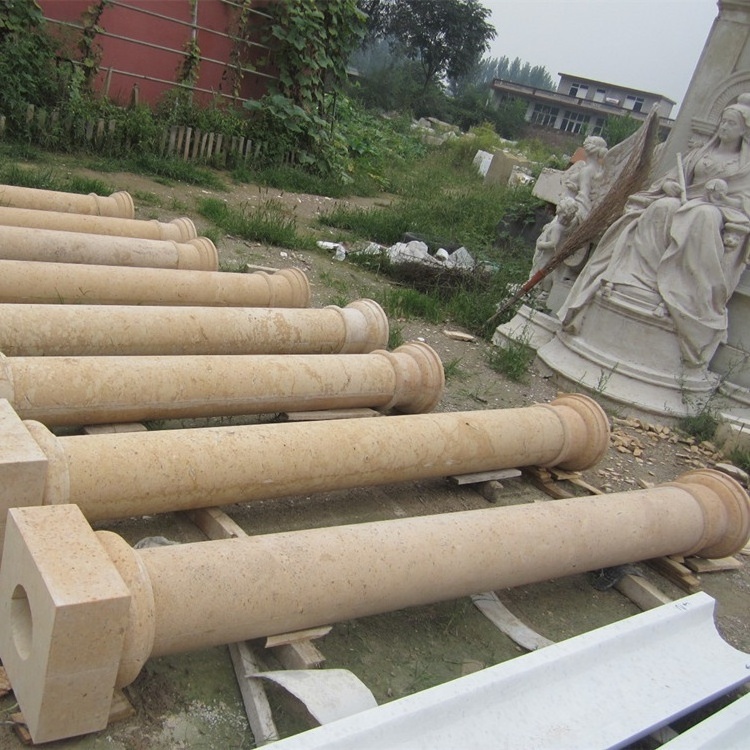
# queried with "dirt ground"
point(192, 700)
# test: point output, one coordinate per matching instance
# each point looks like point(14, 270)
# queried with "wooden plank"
point(254, 697)
point(250, 268)
point(541, 479)
point(701, 565)
point(641, 592)
point(310, 416)
point(301, 655)
point(501, 617)
point(575, 478)
point(677, 573)
point(215, 524)
point(300, 635)
point(484, 476)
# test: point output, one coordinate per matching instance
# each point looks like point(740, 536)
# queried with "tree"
point(447, 37)
point(489, 68)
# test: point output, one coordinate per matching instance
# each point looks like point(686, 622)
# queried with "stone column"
point(118, 204)
point(93, 390)
point(121, 606)
point(24, 281)
point(179, 230)
point(25, 243)
point(722, 73)
point(131, 474)
point(86, 330)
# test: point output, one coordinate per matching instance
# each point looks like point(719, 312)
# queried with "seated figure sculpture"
point(680, 244)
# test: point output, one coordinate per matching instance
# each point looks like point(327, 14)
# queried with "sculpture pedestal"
point(528, 326)
point(630, 357)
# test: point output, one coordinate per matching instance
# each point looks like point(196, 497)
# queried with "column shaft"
point(118, 204)
point(71, 283)
point(206, 594)
point(179, 230)
point(86, 330)
point(50, 245)
point(91, 390)
point(130, 474)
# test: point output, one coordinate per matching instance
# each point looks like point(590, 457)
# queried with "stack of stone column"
point(81, 612)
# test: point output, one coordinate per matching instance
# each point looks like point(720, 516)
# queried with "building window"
point(634, 103)
point(574, 122)
point(598, 127)
point(543, 114)
point(599, 95)
point(579, 90)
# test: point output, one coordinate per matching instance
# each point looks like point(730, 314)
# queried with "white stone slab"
point(728, 729)
point(603, 689)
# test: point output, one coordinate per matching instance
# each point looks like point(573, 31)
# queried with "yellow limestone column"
point(132, 474)
point(179, 230)
point(29, 243)
point(24, 281)
point(118, 204)
point(86, 330)
point(91, 390)
point(121, 606)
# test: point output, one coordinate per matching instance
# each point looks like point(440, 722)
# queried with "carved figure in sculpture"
point(583, 180)
point(552, 236)
point(681, 243)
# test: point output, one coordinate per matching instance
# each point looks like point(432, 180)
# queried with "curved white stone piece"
point(603, 689)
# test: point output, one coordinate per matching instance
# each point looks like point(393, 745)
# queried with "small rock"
point(735, 472)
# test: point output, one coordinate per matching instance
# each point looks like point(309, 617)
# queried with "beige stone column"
point(179, 230)
point(26, 243)
point(118, 204)
point(130, 474)
point(24, 281)
point(93, 390)
point(187, 597)
point(86, 330)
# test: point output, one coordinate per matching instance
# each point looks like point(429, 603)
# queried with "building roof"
point(583, 79)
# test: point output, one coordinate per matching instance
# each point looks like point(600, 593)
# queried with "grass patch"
point(408, 303)
point(49, 179)
point(452, 369)
point(395, 337)
point(513, 360)
point(162, 168)
point(740, 457)
point(267, 223)
point(701, 426)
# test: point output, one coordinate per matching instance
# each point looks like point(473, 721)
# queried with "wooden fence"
point(178, 141)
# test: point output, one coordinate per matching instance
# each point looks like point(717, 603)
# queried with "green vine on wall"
point(189, 68)
point(91, 52)
point(241, 31)
point(310, 43)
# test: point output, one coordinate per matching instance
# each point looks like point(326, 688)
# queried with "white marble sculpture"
point(680, 246)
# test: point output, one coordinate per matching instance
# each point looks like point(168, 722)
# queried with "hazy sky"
point(652, 45)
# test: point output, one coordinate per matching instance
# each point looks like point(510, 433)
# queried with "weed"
point(408, 303)
point(395, 337)
point(740, 457)
point(146, 197)
point(701, 426)
point(48, 179)
point(334, 282)
point(452, 369)
point(214, 234)
point(266, 223)
point(513, 360)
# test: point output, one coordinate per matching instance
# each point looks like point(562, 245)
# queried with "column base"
point(630, 357)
